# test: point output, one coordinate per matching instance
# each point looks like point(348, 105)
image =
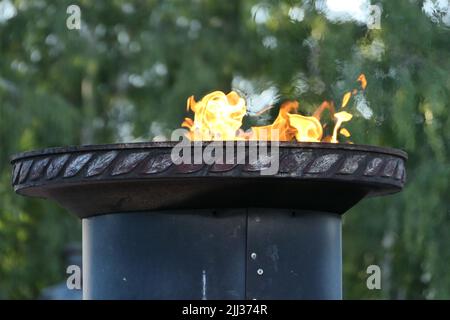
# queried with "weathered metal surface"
point(155, 229)
point(293, 254)
point(165, 255)
point(212, 254)
point(125, 177)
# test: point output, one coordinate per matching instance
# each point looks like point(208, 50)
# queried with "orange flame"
point(218, 116)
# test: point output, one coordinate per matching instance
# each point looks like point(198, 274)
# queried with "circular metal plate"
point(99, 179)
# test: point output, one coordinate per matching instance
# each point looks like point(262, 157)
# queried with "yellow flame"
point(340, 117)
point(289, 125)
point(345, 132)
point(346, 99)
point(218, 116)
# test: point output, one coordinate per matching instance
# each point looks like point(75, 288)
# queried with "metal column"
point(207, 254)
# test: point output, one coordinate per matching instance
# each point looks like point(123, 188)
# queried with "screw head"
point(253, 256)
point(260, 271)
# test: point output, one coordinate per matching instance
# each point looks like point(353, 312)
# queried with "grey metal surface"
point(293, 255)
point(165, 255)
point(149, 230)
point(224, 254)
point(89, 180)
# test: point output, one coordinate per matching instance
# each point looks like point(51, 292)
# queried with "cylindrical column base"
point(209, 254)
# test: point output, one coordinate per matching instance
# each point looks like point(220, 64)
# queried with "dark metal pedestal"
point(207, 254)
point(157, 237)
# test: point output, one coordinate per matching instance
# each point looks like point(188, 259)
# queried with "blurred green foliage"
point(126, 74)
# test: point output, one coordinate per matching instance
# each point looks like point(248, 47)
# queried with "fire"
point(219, 116)
point(290, 125)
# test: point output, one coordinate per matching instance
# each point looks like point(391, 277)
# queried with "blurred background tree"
point(126, 74)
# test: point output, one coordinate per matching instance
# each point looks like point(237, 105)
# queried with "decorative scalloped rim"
point(363, 164)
